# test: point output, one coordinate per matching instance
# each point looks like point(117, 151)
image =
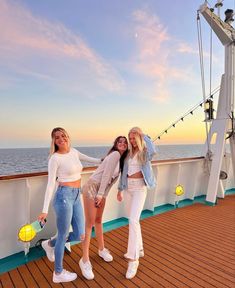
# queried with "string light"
point(200, 104)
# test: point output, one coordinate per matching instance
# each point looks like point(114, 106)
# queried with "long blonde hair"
point(54, 147)
point(141, 154)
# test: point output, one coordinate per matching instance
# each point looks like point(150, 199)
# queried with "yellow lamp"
point(26, 233)
point(179, 190)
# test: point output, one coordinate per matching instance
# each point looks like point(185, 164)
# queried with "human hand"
point(120, 196)
point(42, 218)
point(98, 200)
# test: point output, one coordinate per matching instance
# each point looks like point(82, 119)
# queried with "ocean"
point(29, 160)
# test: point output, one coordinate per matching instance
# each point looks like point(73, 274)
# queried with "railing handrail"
point(91, 168)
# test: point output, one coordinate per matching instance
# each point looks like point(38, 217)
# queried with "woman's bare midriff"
point(136, 175)
point(73, 184)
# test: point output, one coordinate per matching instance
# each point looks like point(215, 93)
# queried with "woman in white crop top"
point(137, 173)
point(64, 168)
point(94, 194)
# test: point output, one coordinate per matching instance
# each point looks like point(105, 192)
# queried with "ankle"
point(85, 259)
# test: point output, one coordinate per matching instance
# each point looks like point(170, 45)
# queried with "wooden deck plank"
point(16, 279)
point(158, 257)
point(38, 276)
point(187, 247)
point(207, 249)
point(177, 223)
point(100, 269)
point(30, 281)
point(48, 267)
point(193, 223)
point(186, 259)
point(157, 265)
point(6, 280)
point(118, 270)
point(71, 261)
point(45, 270)
point(118, 252)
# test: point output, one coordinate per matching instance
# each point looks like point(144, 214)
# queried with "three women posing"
point(65, 168)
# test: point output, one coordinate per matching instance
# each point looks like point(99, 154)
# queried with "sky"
point(98, 68)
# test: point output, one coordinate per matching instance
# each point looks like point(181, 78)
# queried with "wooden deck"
point(192, 246)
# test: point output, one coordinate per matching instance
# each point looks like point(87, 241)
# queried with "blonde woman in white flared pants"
point(136, 177)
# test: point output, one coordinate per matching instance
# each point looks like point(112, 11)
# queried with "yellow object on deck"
point(179, 190)
point(26, 233)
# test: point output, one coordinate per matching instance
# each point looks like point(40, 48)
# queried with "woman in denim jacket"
point(136, 177)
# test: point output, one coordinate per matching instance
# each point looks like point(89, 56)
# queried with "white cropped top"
point(134, 165)
point(107, 172)
point(64, 168)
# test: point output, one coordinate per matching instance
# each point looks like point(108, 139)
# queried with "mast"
point(223, 122)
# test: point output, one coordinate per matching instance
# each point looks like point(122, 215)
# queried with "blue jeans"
point(68, 209)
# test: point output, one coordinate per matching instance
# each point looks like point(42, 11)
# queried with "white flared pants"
point(134, 198)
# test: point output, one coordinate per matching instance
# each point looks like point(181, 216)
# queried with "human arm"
point(110, 163)
point(120, 196)
point(85, 158)
point(151, 148)
point(52, 171)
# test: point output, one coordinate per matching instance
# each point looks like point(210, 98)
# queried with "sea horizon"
point(29, 160)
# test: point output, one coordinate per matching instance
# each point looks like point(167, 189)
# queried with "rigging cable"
point(199, 32)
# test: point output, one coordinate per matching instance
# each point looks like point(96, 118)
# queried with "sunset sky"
point(97, 68)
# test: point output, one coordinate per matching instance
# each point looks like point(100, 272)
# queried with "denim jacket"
point(146, 168)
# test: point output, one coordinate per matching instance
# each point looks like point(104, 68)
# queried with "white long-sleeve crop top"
point(64, 168)
point(107, 172)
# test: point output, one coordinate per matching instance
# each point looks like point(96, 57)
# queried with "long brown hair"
point(114, 148)
point(54, 147)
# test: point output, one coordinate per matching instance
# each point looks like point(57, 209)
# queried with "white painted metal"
point(14, 206)
point(222, 124)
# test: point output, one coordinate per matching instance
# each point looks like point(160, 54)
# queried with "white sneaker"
point(105, 254)
point(64, 276)
point(141, 254)
point(132, 269)
point(50, 251)
point(86, 269)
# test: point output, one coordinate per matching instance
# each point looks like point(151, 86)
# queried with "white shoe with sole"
point(50, 251)
point(86, 269)
point(105, 254)
point(141, 253)
point(132, 269)
point(64, 276)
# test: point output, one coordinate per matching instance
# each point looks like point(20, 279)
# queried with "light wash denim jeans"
point(68, 209)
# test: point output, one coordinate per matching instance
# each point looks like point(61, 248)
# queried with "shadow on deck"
point(193, 246)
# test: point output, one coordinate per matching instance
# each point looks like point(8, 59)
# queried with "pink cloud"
point(24, 34)
point(154, 47)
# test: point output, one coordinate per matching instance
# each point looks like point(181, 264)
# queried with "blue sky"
point(97, 68)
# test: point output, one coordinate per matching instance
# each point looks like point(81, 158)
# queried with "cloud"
point(155, 49)
point(25, 38)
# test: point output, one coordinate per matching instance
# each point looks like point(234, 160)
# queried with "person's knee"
point(98, 220)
